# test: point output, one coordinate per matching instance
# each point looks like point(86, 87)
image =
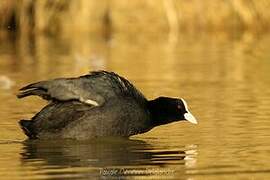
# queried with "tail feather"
point(33, 85)
point(37, 92)
point(27, 127)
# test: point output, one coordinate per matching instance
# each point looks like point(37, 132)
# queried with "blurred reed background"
point(105, 34)
point(148, 18)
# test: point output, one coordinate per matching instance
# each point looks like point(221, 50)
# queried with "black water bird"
point(98, 104)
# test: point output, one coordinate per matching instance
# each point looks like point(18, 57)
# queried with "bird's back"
point(96, 87)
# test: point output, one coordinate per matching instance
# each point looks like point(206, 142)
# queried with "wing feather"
point(94, 88)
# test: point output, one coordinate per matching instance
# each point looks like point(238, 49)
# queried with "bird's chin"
point(190, 118)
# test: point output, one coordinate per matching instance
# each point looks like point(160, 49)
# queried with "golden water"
point(225, 80)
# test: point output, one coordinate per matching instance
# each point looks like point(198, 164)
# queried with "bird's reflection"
point(101, 155)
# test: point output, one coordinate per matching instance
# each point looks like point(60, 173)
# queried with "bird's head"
point(165, 110)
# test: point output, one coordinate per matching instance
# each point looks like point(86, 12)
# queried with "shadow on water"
point(104, 157)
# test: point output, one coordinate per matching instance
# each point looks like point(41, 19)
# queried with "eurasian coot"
point(98, 104)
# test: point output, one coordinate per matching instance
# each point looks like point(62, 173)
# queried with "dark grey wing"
point(94, 88)
point(65, 89)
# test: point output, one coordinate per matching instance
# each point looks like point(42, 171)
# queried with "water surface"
point(225, 80)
